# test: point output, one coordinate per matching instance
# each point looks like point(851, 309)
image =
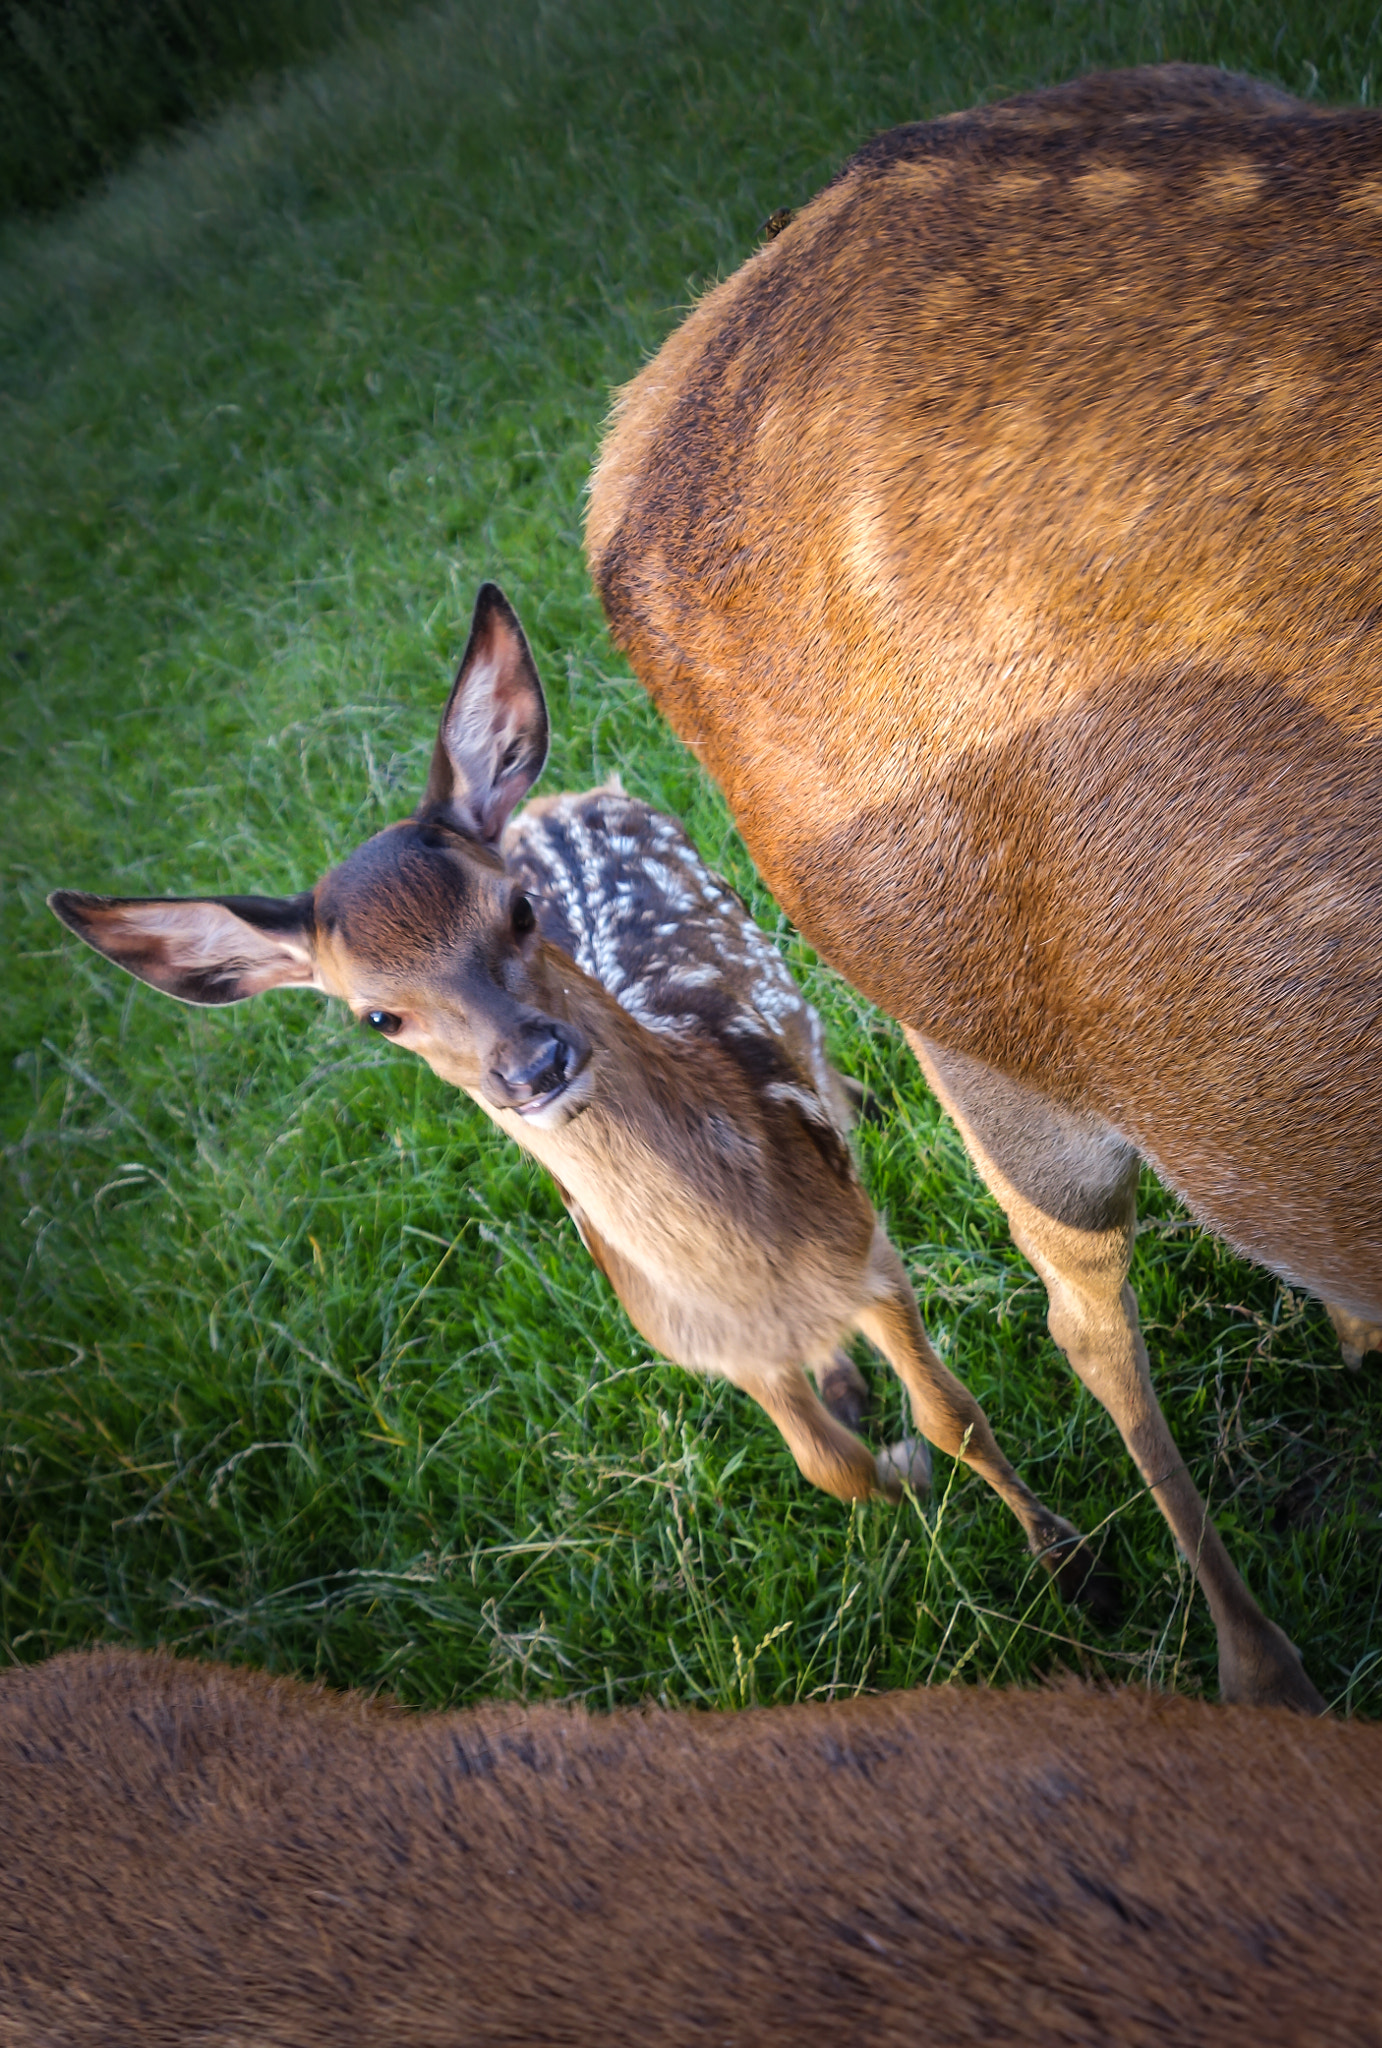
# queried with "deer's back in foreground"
point(193, 1854)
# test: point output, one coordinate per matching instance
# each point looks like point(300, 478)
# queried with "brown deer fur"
point(1004, 537)
point(614, 1008)
point(212, 1857)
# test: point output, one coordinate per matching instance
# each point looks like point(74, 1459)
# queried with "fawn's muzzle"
point(538, 1071)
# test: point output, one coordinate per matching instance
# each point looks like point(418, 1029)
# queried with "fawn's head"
point(421, 930)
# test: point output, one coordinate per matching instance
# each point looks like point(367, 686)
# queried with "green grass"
point(301, 1363)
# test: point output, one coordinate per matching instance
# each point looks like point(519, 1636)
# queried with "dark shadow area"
point(84, 82)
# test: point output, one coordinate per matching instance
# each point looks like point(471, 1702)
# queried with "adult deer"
point(1004, 538)
point(198, 1855)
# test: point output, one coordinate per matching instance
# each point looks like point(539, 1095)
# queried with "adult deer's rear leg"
point(1068, 1186)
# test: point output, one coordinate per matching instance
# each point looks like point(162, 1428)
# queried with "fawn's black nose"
point(537, 1069)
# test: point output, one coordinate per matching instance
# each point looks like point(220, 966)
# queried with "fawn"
point(614, 1009)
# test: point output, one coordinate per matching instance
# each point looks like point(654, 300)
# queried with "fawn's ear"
point(216, 949)
point(493, 736)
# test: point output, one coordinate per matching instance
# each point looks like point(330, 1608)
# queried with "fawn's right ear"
point(216, 949)
point(492, 742)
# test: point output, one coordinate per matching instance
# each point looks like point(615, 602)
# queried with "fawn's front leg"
point(950, 1416)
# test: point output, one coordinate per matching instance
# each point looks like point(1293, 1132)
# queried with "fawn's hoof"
point(1081, 1580)
point(907, 1463)
point(1357, 1337)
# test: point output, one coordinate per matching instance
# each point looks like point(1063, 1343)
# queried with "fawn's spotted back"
point(621, 888)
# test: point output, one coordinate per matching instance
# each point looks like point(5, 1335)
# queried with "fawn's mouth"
point(568, 1095)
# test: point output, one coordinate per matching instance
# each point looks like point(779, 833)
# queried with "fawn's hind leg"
point(949, 1415)
point(842, 1386)
point(828, 1454)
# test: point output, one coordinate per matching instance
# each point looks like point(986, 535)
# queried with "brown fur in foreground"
point(1005, 538)
point(197, 1855)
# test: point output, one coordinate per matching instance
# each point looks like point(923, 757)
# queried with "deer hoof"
point(1082, 1581)
point(905, 1464)
point(1259, 1666)
point(1357, 1337)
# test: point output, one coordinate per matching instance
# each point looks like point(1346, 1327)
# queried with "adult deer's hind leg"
point(1068, 1185)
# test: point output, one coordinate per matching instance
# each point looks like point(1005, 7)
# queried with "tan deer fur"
point(194, 1855)
point(1004, 538)
point(614, 1008)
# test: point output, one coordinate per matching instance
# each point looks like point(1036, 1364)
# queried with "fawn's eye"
point(524, 916)
point(385, 1021)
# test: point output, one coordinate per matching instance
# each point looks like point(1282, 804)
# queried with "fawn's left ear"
point(201, 949)
point(493, 737)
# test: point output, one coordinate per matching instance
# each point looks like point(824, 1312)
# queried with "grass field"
point(302, 1364)
point(83, 82)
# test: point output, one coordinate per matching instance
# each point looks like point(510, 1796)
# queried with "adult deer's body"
point(1004, 537)
point(193, 1855)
